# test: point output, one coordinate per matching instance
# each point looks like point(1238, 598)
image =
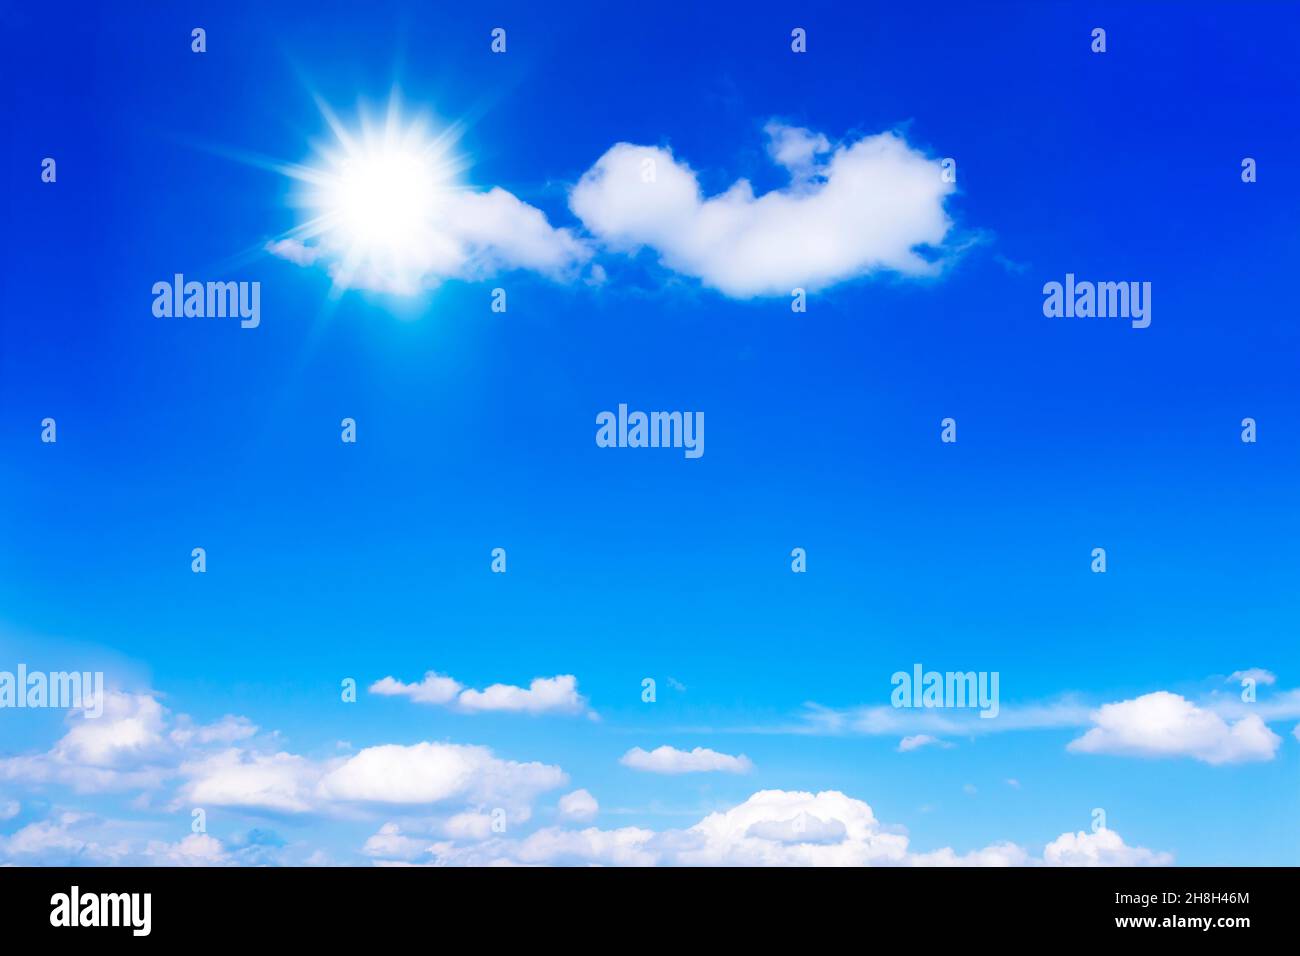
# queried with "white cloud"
point(1162, 724)
point(434, 689)
point(466, 235)
point(435, 772)
point(55, 838)
point(1101, 848)
point(579, 805)
point(390, 844)
point(123, 748)
point(470, 825)
point(544, 695)
point(281, 782)
point(917, 741)
point(671, 760)
point(197, 849)
point(859, 208)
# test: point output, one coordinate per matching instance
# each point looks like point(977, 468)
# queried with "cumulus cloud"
point(864, 206)
point(579, 805)
point(1163, 724)
point(671, 760)
point(1101, 848)
point(436, 772)
point(544, 695)
point(127, 747)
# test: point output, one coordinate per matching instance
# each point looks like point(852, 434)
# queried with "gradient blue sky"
point(476, 429)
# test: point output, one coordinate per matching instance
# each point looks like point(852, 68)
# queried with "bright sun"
point(383, 197)
point(374, 197)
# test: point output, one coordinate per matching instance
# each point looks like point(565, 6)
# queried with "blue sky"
point(328, 560)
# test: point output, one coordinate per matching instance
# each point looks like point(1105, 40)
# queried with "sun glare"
point(374, 197)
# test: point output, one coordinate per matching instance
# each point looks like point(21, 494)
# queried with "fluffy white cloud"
point(1162, 724)
point(125, 747)
point(435, 772)
point(848, 211)
point(1101, 848)
point(917, 741)
point(579, 805)
point(544, 695)
point(671, 760)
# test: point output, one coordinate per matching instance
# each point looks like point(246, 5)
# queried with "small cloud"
point(1013, 783)
point(579, 806)
point(917, 741)
point(294, 251)
point(673, 761)
point(969, 789)
point(433, 689)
